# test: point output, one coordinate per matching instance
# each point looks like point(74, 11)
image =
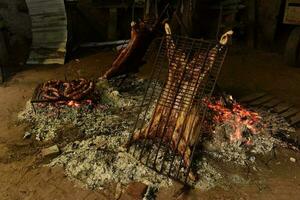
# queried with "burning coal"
point(244, 122)
point(237, 134)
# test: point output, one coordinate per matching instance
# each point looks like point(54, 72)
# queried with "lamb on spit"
point(130, 58)
point(72, 90)
point(179, 124)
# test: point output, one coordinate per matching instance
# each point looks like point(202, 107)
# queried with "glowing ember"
point(76, 104)
point(73, 104)
point(239, 118)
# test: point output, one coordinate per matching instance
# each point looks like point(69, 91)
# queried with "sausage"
point(73, 90)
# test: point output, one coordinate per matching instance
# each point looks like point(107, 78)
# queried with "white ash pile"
point(100, 160)
point(49, 121)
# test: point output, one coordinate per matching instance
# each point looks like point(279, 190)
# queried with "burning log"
point(176, 119)
point(130, 58)
point(73, 90)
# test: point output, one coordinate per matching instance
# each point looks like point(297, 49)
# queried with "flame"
point(238, 116)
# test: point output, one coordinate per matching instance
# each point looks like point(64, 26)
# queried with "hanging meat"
point(177, 116)
point(130, 58)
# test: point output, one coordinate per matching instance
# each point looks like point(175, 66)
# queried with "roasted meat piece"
point(131, 57)
point(176, 118)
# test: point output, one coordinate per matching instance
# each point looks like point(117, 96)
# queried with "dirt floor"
point(22, 173)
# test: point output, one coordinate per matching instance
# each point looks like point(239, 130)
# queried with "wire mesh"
point(169, 125)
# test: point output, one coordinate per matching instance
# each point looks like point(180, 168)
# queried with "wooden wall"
point(49, 31)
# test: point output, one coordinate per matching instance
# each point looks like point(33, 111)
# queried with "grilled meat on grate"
point(72, 90)
point(176, 119)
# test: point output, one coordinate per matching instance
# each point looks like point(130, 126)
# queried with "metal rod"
point(101, 44)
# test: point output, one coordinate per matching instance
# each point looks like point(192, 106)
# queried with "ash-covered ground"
point(100, 158)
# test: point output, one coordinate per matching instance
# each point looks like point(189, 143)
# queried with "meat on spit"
point(130, 58)
point(179, 124)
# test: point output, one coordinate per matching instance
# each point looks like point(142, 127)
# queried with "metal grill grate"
point(168, 127)
point(38, 98)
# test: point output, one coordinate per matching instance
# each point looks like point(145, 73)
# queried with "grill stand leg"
point(33, 107)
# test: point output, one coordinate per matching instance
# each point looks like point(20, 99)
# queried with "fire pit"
point(226, 132)
point(100, 157)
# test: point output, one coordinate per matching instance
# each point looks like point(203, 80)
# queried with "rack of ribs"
point(176, 119)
